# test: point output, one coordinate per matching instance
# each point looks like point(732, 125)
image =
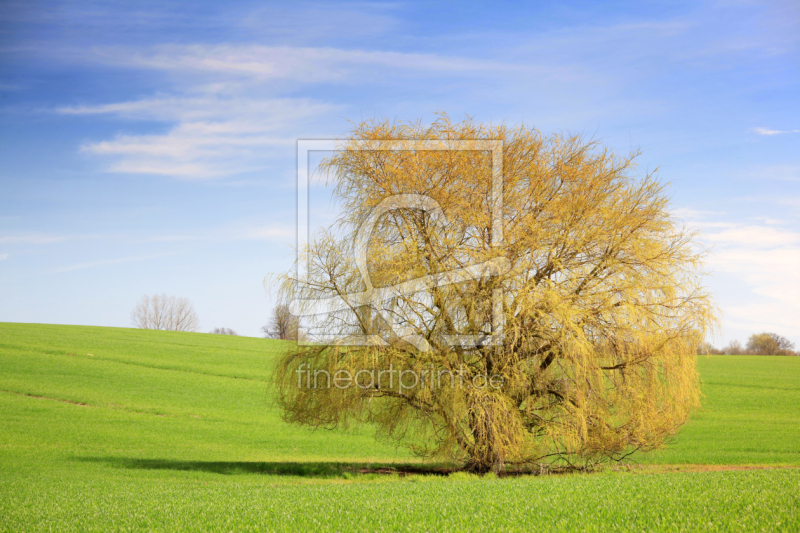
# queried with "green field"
point(121, 429)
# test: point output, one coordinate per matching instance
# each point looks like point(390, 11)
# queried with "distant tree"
point(165, 312)
point(707, 348)
point(734, 348)
point(769, 344)
point(224, 331)
point(283, 325)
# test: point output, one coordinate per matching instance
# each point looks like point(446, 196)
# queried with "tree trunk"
point(485, 455)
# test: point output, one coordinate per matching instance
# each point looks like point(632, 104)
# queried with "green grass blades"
point(95, 393)
point(750, 414)
point(122, 429)
point(758, 500)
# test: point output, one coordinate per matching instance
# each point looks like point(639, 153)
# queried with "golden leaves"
point(602, 301)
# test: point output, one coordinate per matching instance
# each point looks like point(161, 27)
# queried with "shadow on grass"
point(314, 470)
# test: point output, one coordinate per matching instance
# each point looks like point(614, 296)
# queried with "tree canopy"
point(572, 341)
point(769, 344)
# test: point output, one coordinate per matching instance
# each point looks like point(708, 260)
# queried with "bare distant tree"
point(734, 348)
point(224, 331)
point(769, 344)
point(283, 325)
point(164, 312)
point(706, 348)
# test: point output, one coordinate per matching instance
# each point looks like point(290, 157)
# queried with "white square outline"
point(495, 146)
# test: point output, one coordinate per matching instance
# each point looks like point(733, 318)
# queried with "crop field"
point(122, 429)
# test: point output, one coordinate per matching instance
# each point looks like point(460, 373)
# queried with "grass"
point(121, 429)
point(750, 414)
point(154, 394)
point(716, 501)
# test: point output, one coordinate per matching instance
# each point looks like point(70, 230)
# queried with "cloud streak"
point(224, 122)
point(106, 262)
point(767, 131)
point(214, 135)
point(223, 107)
point(303, 64)
point(762, 259)
point(241, 231)
point(43, 238)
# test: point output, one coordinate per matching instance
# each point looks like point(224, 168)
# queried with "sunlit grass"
point(750, 414)
point(106, 428)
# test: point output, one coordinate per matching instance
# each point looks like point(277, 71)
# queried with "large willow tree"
point(585, 308)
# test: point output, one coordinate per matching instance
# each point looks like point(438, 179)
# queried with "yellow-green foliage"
point(602, 301)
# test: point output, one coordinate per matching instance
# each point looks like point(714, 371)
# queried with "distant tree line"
point(173, 313)
point(758, 344)
point(224, 331)
point(177, 314)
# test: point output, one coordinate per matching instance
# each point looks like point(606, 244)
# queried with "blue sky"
point(150, 147)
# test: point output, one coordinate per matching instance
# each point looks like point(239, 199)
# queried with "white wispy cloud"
point(788, 171)
point(687, 213)
point(755, 236)
point(248, 229)
point(224, 115)
point(43, 238)
point(767, 131)
point(211, 106)
point(3, 257)
point(264, 233)
point(105, 262)
point(766, 220)
point(303, 64)
point(214, 135)
point(763, 260)
point(237, 231)
point(788, 200)
point(773, 276)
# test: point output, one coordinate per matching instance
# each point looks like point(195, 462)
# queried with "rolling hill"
point(114, 428)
